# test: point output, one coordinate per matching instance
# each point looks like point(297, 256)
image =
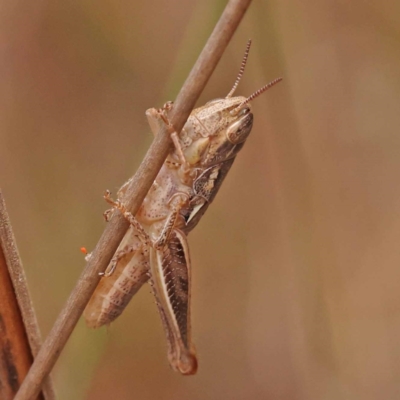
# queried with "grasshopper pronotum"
point(155, 247)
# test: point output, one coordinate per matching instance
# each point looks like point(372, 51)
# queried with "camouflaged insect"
point(155, 247)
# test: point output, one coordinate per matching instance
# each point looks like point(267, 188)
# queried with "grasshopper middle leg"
point(176, 204)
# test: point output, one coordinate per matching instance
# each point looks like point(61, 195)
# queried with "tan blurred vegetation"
point(296, 264)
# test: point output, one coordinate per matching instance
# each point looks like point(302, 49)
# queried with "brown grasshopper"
point(155, 247)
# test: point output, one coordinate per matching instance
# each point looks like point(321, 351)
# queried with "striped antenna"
point(256, 94)
point(242, 67)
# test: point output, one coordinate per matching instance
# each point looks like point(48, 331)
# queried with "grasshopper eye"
point(239, 130)
point(244, 111)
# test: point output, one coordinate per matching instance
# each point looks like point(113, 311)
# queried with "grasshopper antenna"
point(256, 94)
point(242, 67)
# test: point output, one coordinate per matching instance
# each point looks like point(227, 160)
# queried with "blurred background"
point(296, 265)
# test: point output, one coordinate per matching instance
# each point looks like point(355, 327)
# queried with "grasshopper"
point(155, 247)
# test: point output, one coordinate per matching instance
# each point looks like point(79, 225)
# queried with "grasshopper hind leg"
point(171, 285)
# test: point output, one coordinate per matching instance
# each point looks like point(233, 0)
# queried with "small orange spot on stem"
point(83, 250)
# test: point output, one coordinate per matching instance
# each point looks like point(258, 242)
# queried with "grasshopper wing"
point(171, 283)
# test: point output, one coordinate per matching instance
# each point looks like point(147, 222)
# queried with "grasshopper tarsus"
point(163, 113)
point(108, 214)
point(117, 204)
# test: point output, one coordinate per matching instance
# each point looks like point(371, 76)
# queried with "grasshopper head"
point(227, 125)
point(217, 131)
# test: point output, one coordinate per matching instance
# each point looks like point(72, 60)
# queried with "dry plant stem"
point(19, 332)
point(135, 194)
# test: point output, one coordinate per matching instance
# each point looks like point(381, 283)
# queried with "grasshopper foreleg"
point(159, 118)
